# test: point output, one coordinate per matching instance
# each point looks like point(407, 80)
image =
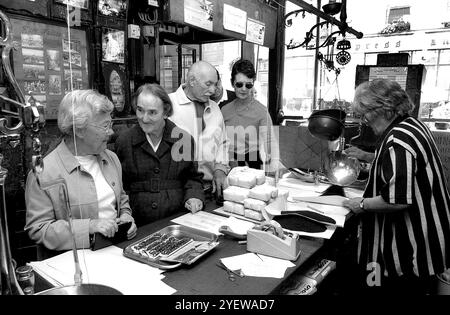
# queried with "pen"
point(259, 257)
point(315, 209)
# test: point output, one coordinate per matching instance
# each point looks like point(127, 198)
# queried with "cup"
point(26, 279)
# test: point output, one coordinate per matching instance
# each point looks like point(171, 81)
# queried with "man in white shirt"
point(195, 112)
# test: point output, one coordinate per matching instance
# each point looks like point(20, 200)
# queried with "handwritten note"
point(234, 19)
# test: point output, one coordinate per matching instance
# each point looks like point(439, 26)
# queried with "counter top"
point(205, 278)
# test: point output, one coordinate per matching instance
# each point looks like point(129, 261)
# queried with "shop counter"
point(204, 277)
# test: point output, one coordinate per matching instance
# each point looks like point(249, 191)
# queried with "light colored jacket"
point(46, 218)
point(211, 143)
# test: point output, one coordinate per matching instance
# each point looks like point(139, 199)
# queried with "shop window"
point(222, 55)
point(298, 86)
point(444, 58)
point(262, 74)
point(425, 57)
point(398, 13)
point(370, 58)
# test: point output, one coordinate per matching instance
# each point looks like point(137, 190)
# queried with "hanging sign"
point(199, 13)
point(234, 19)
point(255, 31)
point(398, 74)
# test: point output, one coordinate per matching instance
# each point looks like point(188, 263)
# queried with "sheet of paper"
point(239, 226)
point(256, 31)
point(109, 267)
point(327, 234)
point(353, 193)
point(202, 220)
point(333, 200)
point(254, 265)
point(301, 187)
point(234, 19)
point(199, 13)
point(234, 215)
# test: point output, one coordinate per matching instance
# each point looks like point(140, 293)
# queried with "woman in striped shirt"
point(404, 230)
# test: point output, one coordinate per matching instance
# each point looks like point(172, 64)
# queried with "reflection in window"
point(396, 14)
point(222, 55)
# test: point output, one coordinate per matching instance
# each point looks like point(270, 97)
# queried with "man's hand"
point(125, 217)
point(107, 227)
point(193, 205)
point(219, 182)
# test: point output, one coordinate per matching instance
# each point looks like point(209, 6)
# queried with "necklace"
point(242, 105)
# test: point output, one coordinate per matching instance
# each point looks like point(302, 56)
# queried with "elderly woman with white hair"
point(404, 230)
point(92, 173)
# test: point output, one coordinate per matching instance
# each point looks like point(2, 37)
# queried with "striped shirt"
point(407, 169)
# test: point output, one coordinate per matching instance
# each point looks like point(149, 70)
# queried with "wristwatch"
point(361, 205)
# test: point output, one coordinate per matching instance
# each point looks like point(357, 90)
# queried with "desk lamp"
point(329, 124)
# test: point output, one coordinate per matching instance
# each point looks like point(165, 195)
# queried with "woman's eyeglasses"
point(364, 120)
point(248, 85)
point(105, 128)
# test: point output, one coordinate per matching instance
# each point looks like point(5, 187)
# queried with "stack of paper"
point(108, 267)
point(209, 222)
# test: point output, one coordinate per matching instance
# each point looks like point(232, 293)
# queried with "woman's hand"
point(354, 204)
point(107, 227)
point(125, 217)
point(359, 154)
point(194, 205)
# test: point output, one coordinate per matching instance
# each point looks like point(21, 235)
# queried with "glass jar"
point(25, 278)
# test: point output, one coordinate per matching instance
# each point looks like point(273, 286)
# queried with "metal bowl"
point(341, 169)
point(83, 289)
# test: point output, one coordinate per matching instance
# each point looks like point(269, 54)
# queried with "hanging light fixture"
point(332, 8)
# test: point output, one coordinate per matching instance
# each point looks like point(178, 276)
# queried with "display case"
point(36, 8)
point(112, 13)
point(46, 64)
point(116, 87)
point(81, 9)
point(113, 45)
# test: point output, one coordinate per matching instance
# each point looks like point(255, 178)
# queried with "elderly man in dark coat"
point(159, 171)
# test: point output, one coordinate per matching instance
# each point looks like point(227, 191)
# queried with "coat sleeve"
point(194, 183)
point(222, 159)
point(398, 171)
point(45, 218)
point(124, 204)
point(269, 141)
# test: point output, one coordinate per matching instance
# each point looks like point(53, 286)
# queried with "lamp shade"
point(327, 124)
point(332, 8)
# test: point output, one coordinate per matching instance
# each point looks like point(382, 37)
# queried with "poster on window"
point(113, 45)
point(116, 8)
point(234, 19)
point(199, 13)
point(83, 4)
point(255, 31)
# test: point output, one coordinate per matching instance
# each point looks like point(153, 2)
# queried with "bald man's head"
point(201, 81)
